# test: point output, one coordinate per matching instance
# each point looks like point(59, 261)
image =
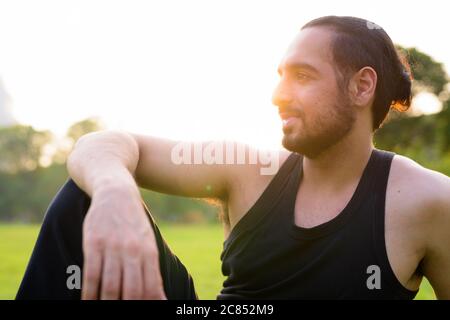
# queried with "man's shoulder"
point(422, 191)
point(427, 184)
point(418, 208)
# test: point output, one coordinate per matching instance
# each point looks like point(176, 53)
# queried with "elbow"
point(78, 152)
point(110, 145)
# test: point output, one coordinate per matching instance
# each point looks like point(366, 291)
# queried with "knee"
point(68, 207)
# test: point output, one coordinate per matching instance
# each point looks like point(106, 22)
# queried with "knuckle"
point(133, 247)
point(95, 241)
point(115, 245)
point(151, 252)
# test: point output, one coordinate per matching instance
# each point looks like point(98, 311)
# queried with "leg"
point(59, 245)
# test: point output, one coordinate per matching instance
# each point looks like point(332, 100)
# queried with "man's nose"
point(281, 96)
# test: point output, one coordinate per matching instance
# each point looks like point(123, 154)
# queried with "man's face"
point(315, 113)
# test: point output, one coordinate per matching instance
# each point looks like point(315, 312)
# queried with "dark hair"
point(359, 43)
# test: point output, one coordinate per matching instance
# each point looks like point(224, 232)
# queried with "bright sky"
point(180, 69)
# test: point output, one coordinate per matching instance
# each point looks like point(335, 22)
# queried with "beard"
point(313, 138)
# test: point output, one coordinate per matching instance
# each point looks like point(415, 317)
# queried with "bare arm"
point(436, 263)
point(121, 257)
point(162, 167)
point(103, 159)
point(114, 158)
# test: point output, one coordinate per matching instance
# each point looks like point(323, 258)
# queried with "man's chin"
point(306, 148)
point(293, 143)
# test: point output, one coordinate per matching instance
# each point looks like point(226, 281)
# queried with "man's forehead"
point(310, 47)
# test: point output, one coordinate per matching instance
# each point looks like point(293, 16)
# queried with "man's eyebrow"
point(300, 65)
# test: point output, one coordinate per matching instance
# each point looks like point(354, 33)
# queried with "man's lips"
point(287, 115)
point(288, 118)
point(288, 124)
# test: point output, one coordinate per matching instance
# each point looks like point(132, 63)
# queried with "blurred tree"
point(429, 75)
point(424, 138)
point(21, 148)
point(25, 195)
point(79, 129)
point(75, 132)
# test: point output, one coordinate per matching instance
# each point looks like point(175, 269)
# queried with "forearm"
point(104, 160)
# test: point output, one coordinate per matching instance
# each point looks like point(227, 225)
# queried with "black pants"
point(59, 245)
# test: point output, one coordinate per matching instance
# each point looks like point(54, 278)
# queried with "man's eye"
point(302, 76)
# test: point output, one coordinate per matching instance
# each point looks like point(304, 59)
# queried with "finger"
point(111, 276)
point(91, 273)
point(153, 284)
point(132, 286)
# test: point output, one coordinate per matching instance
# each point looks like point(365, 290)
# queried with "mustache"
point(291, 111)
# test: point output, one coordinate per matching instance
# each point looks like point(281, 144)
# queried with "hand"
point(121, 259)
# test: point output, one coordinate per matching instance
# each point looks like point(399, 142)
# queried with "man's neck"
point(340, 165)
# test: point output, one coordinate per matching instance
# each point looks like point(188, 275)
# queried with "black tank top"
point(267, 256)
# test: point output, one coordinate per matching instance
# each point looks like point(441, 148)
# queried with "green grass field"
point(197, 246)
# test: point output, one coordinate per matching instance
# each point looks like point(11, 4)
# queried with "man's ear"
point(362, 86)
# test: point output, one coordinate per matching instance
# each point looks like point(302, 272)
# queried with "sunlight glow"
point(192, 70)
